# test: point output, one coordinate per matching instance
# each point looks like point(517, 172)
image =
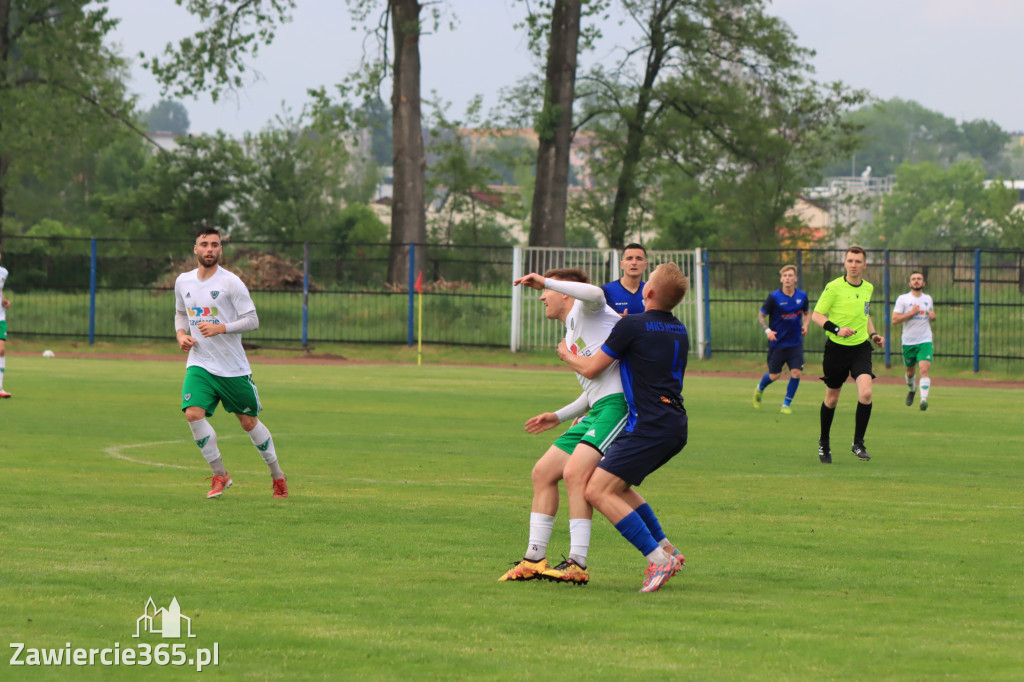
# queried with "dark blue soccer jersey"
point(785, 317)
point(621, 300)
point(651, 349)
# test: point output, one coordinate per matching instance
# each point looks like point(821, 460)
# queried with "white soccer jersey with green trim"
point(918, 329)
point(3, 280)
point(587, 326)
point(220, 299)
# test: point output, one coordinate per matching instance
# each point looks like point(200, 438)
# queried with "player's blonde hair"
point(787, 268)
point(671, 285)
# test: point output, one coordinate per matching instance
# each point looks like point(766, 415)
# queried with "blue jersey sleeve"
point(622, 335)
point(768, 307)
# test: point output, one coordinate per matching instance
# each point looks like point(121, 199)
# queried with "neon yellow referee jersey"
point(847, 306)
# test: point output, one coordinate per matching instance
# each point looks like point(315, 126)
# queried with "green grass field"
point(410, 495)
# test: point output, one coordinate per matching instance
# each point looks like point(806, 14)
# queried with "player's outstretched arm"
point(581, 291)
point(532, 280)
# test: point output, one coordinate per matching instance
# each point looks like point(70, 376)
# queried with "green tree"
point(213, 61)
point(59, 86)
point(723, 97)
point(896, 130)
point(299, 169)
point(935, 207)
point(197, 186)
point(168, 116)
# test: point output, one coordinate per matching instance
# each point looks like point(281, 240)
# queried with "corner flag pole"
point(419, 326)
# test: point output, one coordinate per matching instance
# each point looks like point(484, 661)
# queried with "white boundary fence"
point(532, 329)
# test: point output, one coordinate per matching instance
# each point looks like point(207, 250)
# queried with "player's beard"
point(208, 261)
point(916, 288)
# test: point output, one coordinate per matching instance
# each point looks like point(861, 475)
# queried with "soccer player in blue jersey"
point(651, 350)
point(626, 294)
point(784, 318)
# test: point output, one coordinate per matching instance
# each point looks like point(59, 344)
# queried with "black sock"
point(861, 426)
point(827, 415)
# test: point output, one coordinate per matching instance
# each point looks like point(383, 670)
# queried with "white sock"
point(3, 368)
point(579, 540)
point(541, 526)
point(925, 385)
point(910, 383)
point(206, 440)
point(659, 557)
point(264, 442)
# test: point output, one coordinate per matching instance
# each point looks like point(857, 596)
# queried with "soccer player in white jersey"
point(212, 308)
point(568, 296)
point(916, 312)
point(4, 305)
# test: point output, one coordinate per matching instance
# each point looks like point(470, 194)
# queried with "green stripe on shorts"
point(599, 428)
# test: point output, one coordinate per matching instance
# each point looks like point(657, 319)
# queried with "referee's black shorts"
point(845, 361)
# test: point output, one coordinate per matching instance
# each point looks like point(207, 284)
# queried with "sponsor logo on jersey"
point(196, 311)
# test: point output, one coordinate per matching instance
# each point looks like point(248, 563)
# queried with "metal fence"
point(978, 294)
point(309, 293)
point(532, 329)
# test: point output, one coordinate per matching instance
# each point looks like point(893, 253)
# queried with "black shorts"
point(845, 361)
point(791, 355)
point(635, 455)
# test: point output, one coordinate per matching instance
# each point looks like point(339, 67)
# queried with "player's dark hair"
point(634, 245)
point(568, 275)
point(915, 272)
point(206, 231)
point(858, 249)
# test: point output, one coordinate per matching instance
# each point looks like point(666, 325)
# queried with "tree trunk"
point(5, 48)
point(626, 191)
point(408, 212)
point(554, 128)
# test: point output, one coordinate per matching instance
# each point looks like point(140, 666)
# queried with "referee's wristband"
point(831, 327)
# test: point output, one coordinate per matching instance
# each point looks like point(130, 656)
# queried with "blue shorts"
point(635, 455)
point(791, 355)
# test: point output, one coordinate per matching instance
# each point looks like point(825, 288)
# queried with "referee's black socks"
point(827, 414)
point(861, 426)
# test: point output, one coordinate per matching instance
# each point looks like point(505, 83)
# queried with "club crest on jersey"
point(214, 294)
point(188, 396)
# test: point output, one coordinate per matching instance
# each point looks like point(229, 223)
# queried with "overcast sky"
point(956, 57)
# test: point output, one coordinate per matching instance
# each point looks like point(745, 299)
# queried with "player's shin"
point(579, 540)
point(206, 440)
point(264, 442)
point(541, 526)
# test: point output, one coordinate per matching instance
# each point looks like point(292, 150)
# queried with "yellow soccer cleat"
point(757, 398)
point(525, 570)
point(568, 572)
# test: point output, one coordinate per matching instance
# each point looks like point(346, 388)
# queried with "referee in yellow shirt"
point(842, 311)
